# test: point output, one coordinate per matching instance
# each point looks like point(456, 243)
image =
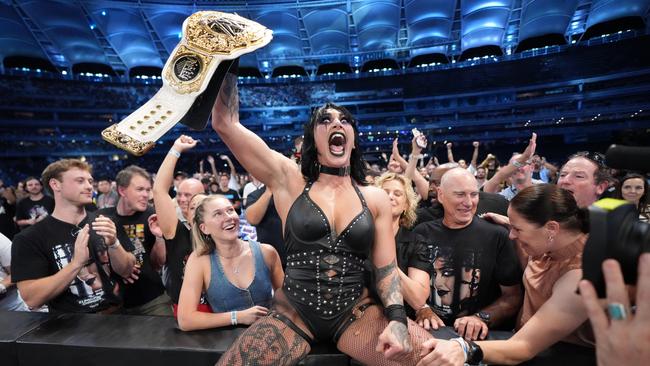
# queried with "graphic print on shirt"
point(87, 286)
point(37, 211)
point(135, 232)
point(455, 281)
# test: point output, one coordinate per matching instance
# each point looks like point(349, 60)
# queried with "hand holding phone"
point(420, 139)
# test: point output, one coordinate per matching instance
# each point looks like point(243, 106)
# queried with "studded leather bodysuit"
point(325, 274)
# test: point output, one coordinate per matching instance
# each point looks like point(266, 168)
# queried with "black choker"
point(341, 172)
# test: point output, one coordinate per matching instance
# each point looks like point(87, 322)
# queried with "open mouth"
point(442, 293)
point(337, 143)
point(230, 227)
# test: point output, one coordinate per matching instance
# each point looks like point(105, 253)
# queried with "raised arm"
point(231, 166)
point(165, 208)
point(474, 154)
point(213, 168)
point(251, 151)
point(450, 154)
point(255, 211)
point(502, 174)
point(421, 184)
point(395, 155)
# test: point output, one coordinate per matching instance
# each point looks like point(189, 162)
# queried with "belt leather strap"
point(192, 77)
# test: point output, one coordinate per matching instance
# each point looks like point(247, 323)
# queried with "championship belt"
point(211, 43)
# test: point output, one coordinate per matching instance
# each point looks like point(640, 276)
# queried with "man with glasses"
point(70, 261)
point(585, 176)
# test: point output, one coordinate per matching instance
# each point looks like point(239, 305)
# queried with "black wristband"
point(474, 353)
point(396, 312)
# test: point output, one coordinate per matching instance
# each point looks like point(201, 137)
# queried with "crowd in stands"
point(60, 94)
point(159, 233)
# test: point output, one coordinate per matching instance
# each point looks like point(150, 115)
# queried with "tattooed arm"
point(394, 340)
point(270, 167)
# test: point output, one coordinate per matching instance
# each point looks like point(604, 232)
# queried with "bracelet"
point(174, 152)
point(474, 353)
point(518, 164)
point(463, 346)
point(419, 156)
point(396, 312)
point(233, 317)
point(114, 245)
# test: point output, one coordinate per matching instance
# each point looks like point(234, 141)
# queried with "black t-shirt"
point(149, 285)
point(233, 196)
point(7, 213)
point(469, 265)
point(178, 250)
point(412, 252)
point(46, 247)
point(269, 230)
point(27, 209)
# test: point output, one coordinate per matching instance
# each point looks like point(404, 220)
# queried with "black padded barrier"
point(35, 339)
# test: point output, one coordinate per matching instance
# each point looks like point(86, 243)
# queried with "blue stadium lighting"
point(64, 72)
point(180, 35)
point(92, 26)
point(103, 12)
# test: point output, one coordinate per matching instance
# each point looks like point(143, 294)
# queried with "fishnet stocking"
point(360, 339)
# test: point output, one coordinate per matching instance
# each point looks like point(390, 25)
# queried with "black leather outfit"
point(325, 273)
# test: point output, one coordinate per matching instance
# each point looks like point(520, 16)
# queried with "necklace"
point(235, 269)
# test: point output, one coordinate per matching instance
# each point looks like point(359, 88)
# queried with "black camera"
point(614, 227)
point(614, 232)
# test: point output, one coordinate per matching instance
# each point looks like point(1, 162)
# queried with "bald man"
point(488, 202)
point(476, 274)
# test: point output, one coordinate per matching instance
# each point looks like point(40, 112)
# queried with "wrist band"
point(474, 353)
point(396, 312)
point(463, 346)
point(3, 288)
point(174, 152)
point(114, 245)
point(233, 317)
point(419, 156)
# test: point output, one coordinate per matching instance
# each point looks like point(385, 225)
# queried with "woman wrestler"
point(332, 222)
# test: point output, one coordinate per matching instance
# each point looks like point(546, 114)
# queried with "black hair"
point(309, 165)
point(643, 201)
point(542, 203)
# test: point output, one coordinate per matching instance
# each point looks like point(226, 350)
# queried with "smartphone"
point(420, 140)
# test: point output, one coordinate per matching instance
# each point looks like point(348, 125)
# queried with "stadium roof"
point(127, 34)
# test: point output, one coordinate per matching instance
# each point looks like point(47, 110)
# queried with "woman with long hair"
point(332, 223)
point(413, 261)
point(548, 226)
point(634, 189)
point(237, 277)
